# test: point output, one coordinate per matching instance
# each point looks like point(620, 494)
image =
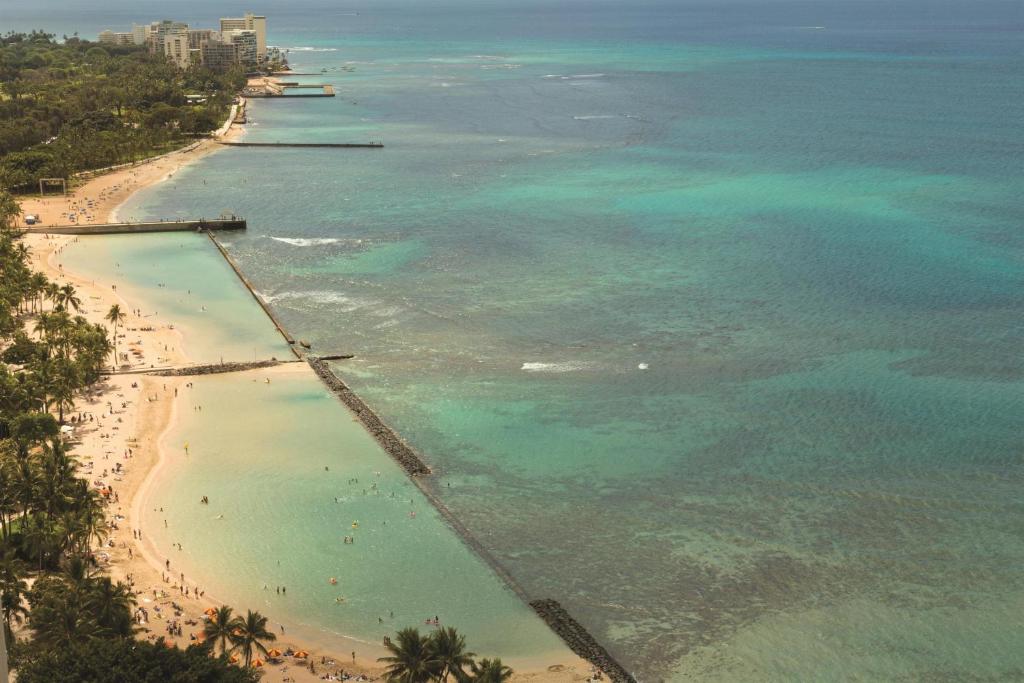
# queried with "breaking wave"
point(565, 366)
point(306, 241)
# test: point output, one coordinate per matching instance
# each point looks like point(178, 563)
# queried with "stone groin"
point(384, 435)
point(252, 290)
point(201, 225)
point(579, 640)
point(217, 368)
point(336, 145)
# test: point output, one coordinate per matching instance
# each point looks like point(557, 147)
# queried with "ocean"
point(706, 314)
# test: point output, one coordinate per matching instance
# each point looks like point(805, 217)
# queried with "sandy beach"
point(119, 441)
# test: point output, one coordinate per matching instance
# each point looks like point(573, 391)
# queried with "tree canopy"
point(130, 661)
point(72, 106)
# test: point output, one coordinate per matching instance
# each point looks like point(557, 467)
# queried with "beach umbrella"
point(257, 662)
point(301, 654)
point(209, 611)
point(274, 652)
point(168, 642)
point(233, 659)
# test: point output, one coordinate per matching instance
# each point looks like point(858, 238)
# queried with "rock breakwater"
point(384, 435)
point(216, 368)
point(579, 640)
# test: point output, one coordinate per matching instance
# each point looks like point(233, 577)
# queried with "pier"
point(342, 145)
point(272, 89)
point(200, 225)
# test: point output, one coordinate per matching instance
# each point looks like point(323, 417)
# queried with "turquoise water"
point(286, 484)
point(183, 282)
point(709, 313)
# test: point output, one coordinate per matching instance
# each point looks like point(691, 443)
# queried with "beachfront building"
point(219, 56)
point(250, 22)
point(111, 38)
point(158, 31)
point(198, 36)
point(241, 41)
point(245, 43)
point(139, 34)
point(176, 48)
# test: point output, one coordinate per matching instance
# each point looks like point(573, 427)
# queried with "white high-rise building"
point(176, 48)
point(250, 22)
point(139, 34)
point(246, 45)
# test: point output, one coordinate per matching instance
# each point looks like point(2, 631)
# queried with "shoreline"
point(100, 198)
point(153, 421)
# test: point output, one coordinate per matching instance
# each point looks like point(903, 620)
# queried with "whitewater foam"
point(306, 241)
point(564, 366)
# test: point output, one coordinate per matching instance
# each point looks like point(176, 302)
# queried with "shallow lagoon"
point(184, 282)
point(293, 473)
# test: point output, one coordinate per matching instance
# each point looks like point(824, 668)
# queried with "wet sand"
point(130, 415)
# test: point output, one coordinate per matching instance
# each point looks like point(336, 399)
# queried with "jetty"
point(342, 145)
point(579, 640)
point(252, 290)
point(200, 225)
point(278, 89)
point(575, 636)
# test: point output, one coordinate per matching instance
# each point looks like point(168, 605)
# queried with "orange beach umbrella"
point(301, 654)
point(257, 662)
point(274, 652)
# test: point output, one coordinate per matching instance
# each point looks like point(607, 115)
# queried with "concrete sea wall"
point(134, 228)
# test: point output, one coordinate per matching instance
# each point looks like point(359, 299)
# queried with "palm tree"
point(67, 299)
point(92, 519)
point(110, 604)
point(490, 671)
point(52, 291)
point(220, 629)
point(248, 634)
point(411, 659)
point(8, 500)
point(37, 288)
point(448, 647)
point(12, 591)
point(115, 316)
